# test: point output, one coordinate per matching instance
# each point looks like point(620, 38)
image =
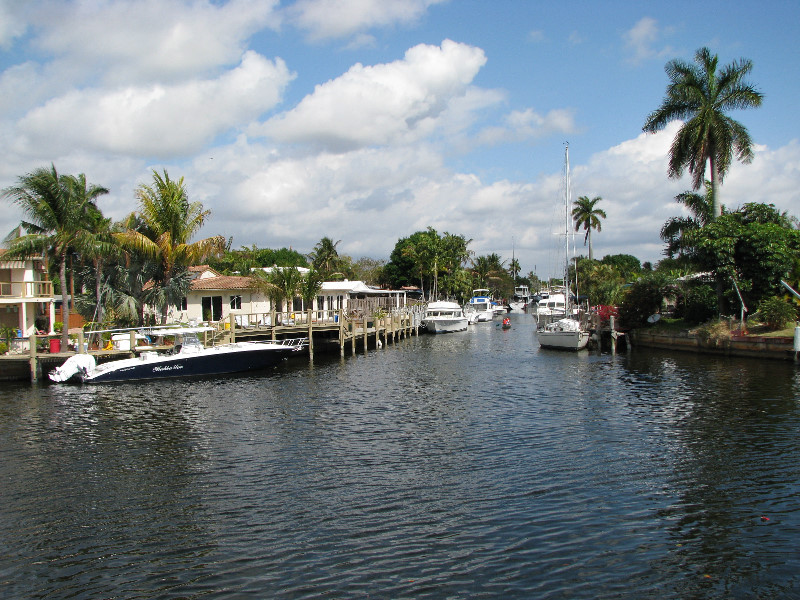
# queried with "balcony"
point(26, 289)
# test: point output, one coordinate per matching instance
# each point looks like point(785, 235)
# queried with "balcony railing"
point(26, 289)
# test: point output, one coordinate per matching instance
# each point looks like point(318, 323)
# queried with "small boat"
point(187, 357)
point(506, 323)
point(566, 332)
point(480, 305)
point(499, 308)
point(444, 317)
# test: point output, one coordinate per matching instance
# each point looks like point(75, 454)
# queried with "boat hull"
point(563, 340)
point(446, 325)
point(211, 361)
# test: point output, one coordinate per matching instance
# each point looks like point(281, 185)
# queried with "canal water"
point(468, 465)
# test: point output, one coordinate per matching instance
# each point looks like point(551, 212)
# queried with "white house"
point(214, 297)
point(26, 295)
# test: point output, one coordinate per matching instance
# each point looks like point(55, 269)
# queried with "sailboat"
point(566, 333)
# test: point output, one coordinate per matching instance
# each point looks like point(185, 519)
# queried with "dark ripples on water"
point(467, 465)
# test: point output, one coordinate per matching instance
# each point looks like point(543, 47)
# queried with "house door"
point(212, 308)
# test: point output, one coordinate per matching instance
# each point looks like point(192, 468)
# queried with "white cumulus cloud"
point(158, 120)
point(398, 102)
point(324, 19)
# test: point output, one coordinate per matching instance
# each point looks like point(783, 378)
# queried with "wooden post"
point(310, 338)
point(81, 347)
point(365, 332)
point(353, 335)
point(272, 321)
point(612, 325)
point(132, 338)
point(232, 325)
point(33, 361)
point(339, 317)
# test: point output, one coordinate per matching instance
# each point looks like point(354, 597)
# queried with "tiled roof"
point(222, 282)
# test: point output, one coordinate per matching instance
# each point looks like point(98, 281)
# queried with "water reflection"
point(462, 465)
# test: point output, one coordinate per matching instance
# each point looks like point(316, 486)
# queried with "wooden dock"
point(326, 331)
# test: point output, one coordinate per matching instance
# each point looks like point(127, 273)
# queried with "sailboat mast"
point(566, 231)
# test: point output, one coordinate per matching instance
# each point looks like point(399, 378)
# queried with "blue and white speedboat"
point(480, 306)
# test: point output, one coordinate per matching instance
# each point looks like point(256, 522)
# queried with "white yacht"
point(444, 317)
point(521, 299)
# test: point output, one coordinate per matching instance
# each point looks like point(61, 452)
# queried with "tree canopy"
point(701, 95)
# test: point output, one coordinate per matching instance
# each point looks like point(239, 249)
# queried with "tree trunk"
point(590, 243)
point(98, 271)
point(716, 204)
point(62, 278)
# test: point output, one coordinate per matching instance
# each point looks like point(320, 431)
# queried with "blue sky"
point(367, 120)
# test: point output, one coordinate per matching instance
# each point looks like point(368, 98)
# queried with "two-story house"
point(26, 295)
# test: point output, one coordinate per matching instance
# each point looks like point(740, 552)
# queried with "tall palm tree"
point(325, 256)
point(700, 95)
point(58, 208)
point(586, 215)
point(167, 222)
point(674, 230)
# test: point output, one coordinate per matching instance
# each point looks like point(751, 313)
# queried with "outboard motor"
point(79, 363)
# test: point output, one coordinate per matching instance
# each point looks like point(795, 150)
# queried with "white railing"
point(26, 289)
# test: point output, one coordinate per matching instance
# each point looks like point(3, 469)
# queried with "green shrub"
point(645, 297)
point(699, 304)
point(3, 348)
point(776, 312)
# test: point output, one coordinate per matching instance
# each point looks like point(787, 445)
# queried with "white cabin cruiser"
point(479, 308)
point(521, 299)
point(444, 317)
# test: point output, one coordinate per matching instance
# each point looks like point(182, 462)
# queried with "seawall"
point(774, 348)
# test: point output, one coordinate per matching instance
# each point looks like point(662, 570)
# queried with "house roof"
point(222, 282)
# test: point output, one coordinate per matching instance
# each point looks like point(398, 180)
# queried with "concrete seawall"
point(774, 348)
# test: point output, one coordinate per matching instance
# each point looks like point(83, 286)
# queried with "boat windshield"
point(189, 341)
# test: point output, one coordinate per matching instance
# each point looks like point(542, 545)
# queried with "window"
point(183, 304)
point(236, 302)
point(212, 308)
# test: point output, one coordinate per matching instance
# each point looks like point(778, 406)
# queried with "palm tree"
point(700, 95)
point(58, 207)
point(674, 230)
point(584, 214)
point(481, 270)
point(325, 257)
point(310, 286)
point(167, 221)
point(282, 283)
